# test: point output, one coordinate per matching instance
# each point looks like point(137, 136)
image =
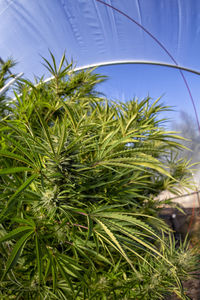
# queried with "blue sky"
point(128, 81)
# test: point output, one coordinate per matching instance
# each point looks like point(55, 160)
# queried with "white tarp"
point(92, 31)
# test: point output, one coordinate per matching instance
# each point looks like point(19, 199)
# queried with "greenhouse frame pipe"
point(4, 89)
point(131, 62)
point(134, 62)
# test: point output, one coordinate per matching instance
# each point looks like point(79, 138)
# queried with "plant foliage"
point(78, 178)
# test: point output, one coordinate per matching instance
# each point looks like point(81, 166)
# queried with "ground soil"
point(183, 224)
point(192, 288)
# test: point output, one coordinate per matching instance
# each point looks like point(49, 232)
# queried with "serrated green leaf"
point(46, 130)
point(90, 227)
point(114, 240)
point(39, 257)
point(14, 233)
point(27, 221)
point(64, 274)
point(16, 252)
point(15, 170)
point(19, 190)
point(131, 220)
point(14, 156)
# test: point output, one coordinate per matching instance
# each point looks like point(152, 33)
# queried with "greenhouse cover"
point(98, 32)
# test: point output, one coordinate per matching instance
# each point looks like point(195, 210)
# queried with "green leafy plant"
point(79, 175)
point(5, 75)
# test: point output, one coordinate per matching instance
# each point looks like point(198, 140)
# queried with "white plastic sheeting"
point(95, 31)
